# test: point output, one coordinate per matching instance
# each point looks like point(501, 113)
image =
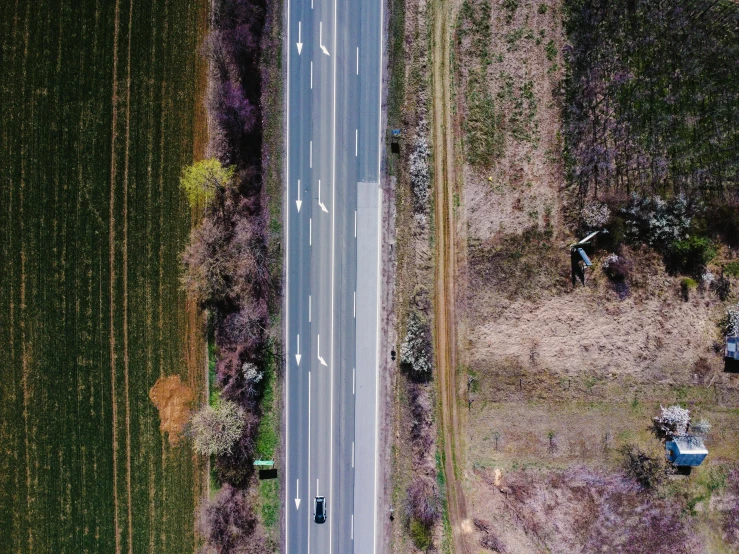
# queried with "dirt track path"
point(445, 268)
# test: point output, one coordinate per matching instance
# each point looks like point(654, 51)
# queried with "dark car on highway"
point(319, 509)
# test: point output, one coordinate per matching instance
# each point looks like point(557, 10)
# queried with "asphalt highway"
point(333, 201)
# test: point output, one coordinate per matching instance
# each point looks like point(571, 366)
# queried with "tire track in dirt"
point(111, 246)
point(444, 301)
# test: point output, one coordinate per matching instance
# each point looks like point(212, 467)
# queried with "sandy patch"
point(172, 399)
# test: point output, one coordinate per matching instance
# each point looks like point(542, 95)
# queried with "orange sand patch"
point(172, 399)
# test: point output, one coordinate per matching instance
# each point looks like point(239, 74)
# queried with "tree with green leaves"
point(206, 180)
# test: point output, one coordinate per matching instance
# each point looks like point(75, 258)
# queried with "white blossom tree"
point(216, 429)
point(673, 421)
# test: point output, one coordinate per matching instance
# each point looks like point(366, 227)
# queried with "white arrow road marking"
point(297, 494)
point(300, 42)
point(298, 356)
point(321, 204)
point(298, 202)
point(318, 349)
point(320, 39)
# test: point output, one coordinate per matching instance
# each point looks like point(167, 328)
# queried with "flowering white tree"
point(700, 428)
point(251, 373)
point(673, 422)
point(732, 315)
point(216, 429)
point(595, 215)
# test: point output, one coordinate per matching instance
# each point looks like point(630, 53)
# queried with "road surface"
point(333, 206)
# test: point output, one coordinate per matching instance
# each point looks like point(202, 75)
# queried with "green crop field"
point(100, 108)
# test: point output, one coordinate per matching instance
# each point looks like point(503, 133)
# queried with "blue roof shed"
point(732, 348)
point(686, 451)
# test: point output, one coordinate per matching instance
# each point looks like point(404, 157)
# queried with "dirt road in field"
point(445, 267)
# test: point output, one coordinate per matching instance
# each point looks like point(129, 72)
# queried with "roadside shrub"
point(236, 466)
point(226, 522)
point(206, 262)
point(722, 222)
point(690, 255)
point(488, 539)
point(245, 327)
point(206, 180)
point(732, 269)
point(647, 471)
point(421, 535)
point(216, 429)
point(423, 502)
point(595, 215)
point(731, 324)
point(672, 422)
point(416, 351)
point(614, 233)
point(234, 113)
point(686, 285)
point(722, 287)
point(700, 428)
point(656, 221)
point(419, 172)
point(617, 268)
point(731, 518)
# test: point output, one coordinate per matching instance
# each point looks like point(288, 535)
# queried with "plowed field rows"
point(98, 105)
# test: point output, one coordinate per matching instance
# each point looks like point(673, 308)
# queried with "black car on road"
point(319, 509)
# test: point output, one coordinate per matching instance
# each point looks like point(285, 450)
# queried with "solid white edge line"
point(287, 288)
point(379, 261)
point(355, 304)
point(308, 454)
point(357, 60)
point(333, 261)
point(355, 223)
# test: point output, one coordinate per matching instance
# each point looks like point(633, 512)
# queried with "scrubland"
point(570, 117)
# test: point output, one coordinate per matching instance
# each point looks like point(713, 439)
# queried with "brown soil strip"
point(160, 308)
point(444, 301)
point(197, 353)
point(125, 283)
point(111, 246)
point(24, 336)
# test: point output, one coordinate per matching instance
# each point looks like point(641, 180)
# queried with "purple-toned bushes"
point(227, 264)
